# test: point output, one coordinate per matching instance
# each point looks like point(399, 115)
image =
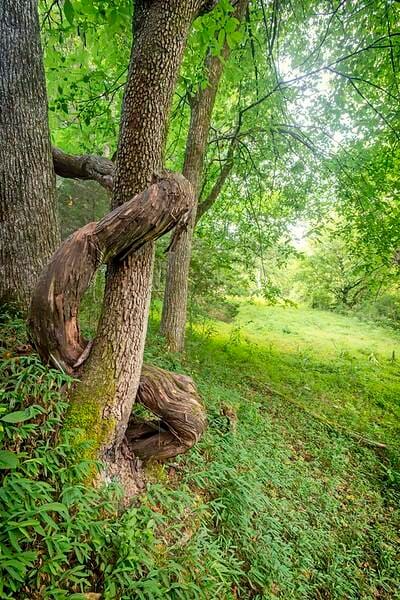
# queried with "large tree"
point(147, 202)
point(29, 229)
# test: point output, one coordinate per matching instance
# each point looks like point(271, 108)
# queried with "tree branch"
point(175, 400)
point(87, 166)
point(53, 317)
point(350, 77)
point(206, 204)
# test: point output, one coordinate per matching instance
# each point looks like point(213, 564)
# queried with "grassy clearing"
point(289, 508)
point(336, 366)
point(270, 504)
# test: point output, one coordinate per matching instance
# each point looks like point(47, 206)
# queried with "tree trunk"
point(29, 228)
point(54, 324)
point(173, 319)
point(102, 402)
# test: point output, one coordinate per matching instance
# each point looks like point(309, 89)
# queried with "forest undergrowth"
point(277, 500)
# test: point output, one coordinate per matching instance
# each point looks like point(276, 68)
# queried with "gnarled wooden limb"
point(53, 316)
point(54, 324)
point(87, 166)
point(174, 399)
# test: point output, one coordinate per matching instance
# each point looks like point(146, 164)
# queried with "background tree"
point(331, 278)
point(173, 320)
point(29, 229)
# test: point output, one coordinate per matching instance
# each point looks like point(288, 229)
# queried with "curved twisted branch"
point(54, 324)
point(53, 316)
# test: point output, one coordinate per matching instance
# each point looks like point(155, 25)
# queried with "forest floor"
point(283, 497)
point(287, 501)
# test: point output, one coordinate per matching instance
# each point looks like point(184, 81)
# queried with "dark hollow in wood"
point(182, 419)
point(53, 315)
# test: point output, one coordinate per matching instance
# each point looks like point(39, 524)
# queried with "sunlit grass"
point(336, 366)
point(321, 333)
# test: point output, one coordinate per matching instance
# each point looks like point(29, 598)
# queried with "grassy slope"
point(281, 506)
point(271, 503)
point(334, 365)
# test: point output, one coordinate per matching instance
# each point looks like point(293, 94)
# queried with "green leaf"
point(17, 417)
point(236, 36)
point(231, 24)
point(8, 460)
point(69, 11)
point(53, 507)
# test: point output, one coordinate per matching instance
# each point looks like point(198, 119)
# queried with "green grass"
point(323, 333)
point(271, 503)
point(290, 508)
point(336, 366)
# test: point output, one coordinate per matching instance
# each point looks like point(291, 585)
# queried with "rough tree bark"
point(173, 319)
point(174, 399)
point(86, 166)
point(29, 229)
point(102, 402)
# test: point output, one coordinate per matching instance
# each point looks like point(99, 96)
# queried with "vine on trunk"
point(53, 316)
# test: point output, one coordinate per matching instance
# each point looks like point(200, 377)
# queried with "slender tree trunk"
point(102, 402)
point(29, 229)
point(173, 319)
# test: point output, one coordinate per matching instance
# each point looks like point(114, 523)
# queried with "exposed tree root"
point(174, 399)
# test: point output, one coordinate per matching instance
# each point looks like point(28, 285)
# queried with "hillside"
point(272, 503)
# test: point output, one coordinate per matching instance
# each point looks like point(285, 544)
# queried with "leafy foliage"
point(59, 536)
point(273, 502)
point(332, 278)
point(305, 128)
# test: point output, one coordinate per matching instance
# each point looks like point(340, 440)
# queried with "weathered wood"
point(53, 317)
point(175, 400)
point(54, 323)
